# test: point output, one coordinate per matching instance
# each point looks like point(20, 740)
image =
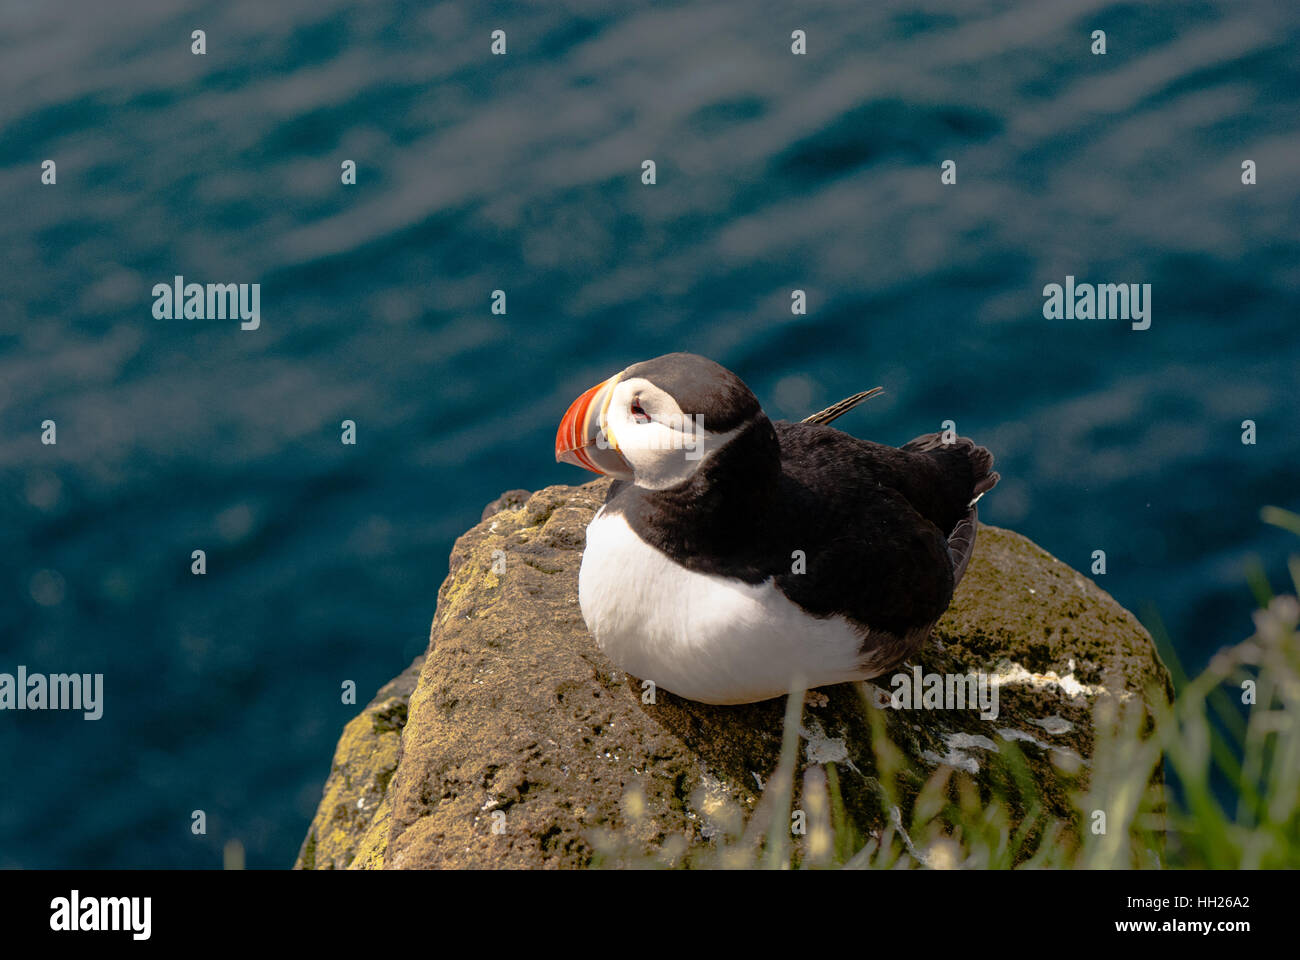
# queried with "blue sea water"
point(522, 173)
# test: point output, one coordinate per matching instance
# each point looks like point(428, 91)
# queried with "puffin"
point(736, 558)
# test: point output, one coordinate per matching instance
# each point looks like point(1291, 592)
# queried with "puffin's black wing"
point(889, 530)
point(887, 569)
point(961, 541)
point(843, 407)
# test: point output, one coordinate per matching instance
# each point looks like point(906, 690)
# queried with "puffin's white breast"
point(705, 637)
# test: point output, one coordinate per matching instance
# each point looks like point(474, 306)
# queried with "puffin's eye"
point(638, 412)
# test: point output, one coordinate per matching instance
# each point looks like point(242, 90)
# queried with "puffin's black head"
point(700, 386)
point(655, 422)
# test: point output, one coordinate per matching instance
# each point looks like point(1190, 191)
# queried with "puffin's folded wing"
point(886, 567)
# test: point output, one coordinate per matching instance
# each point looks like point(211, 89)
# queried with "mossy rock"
point(350, 828)
point(525, 747)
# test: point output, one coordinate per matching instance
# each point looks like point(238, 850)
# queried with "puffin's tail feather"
point(843, 407)
point(961, 541)
point(961, 544)
point(983, 477)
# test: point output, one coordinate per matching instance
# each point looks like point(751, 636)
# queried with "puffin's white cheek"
point(665, 435)
point(657, 448)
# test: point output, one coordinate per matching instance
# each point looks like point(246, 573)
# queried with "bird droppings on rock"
point(533, 733)
point(1054, 724)
point(968, 741)
point(1010, 673)
point(952, 759)
point(879, 698)
point(822, 748)
point(1019, 736)
point(956, 755)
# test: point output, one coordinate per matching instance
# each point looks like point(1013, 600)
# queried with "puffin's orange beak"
point(581, 438)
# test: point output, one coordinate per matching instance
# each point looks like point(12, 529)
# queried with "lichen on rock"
point(350, 828)
point(524, 746)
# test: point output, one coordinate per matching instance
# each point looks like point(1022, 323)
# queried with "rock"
point(507, 501)
point(525, 747)
point(350, 828)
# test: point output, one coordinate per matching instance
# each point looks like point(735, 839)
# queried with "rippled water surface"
point(521, 173)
